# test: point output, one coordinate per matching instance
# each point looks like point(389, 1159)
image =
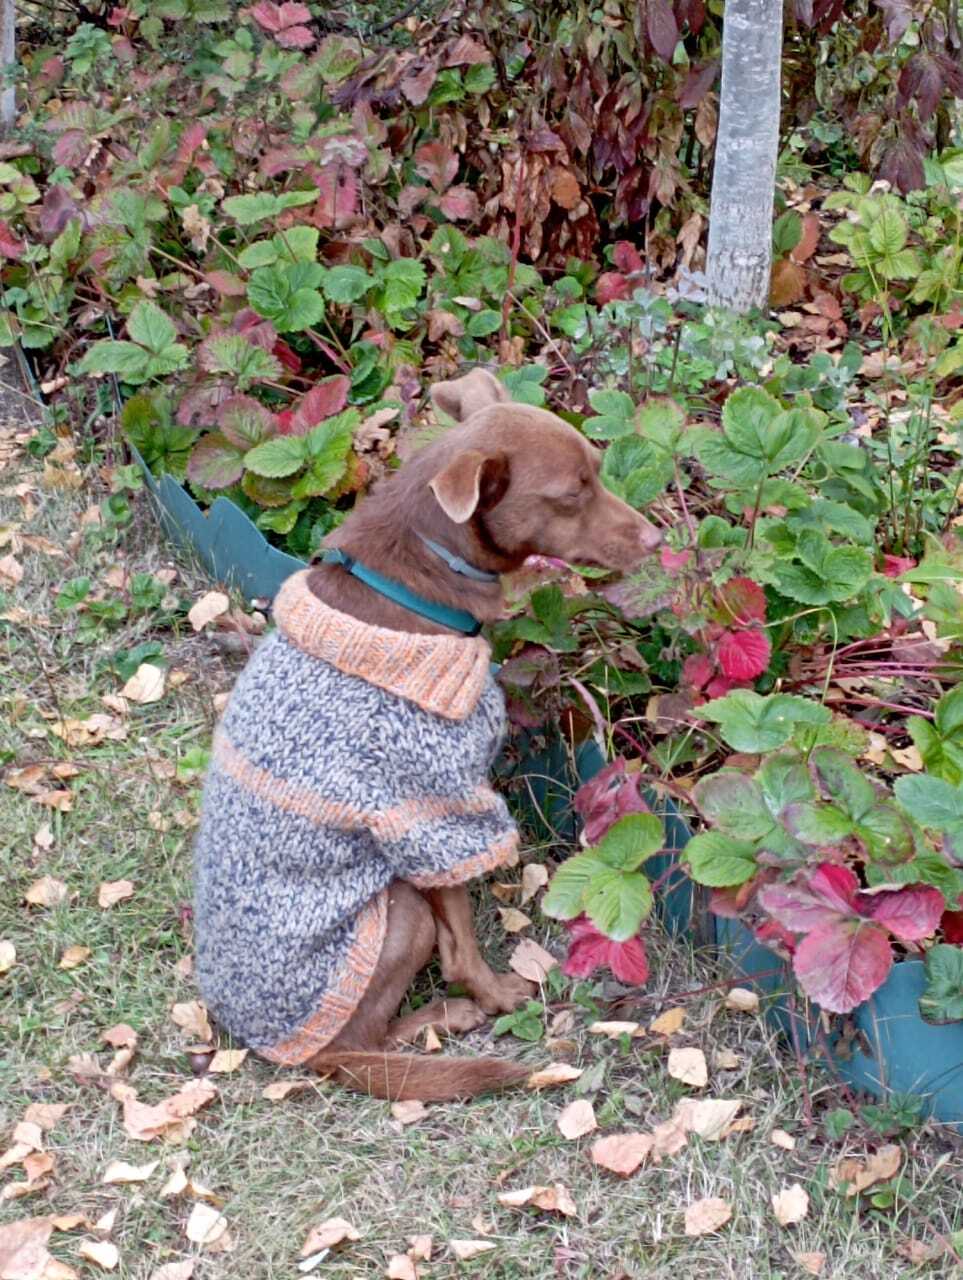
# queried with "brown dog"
point(508, 482)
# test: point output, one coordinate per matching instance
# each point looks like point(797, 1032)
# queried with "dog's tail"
point(401, 1077)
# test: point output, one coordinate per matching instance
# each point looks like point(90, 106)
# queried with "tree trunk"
point(743, 181)
point(8, 55)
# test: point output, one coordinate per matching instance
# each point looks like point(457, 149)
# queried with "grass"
point(280, 1167)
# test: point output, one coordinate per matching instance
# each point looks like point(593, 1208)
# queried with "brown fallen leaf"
point(30, 1132)
point(172, 1118)
point(37, 1165)
point(15, 1154)
point(668, 1138)
point(615, 1030)
point(726, 1060)
point(708, 1118)
point(513, 921)
point(790, 1205)
point(278, 1090)
point(534, 877)
point(702, 1217)
point(226, 1060)
point(859, 1174)
point(811, 1263)
point(531, 961)
point(555, 1073)
point(46, 1114)
point(191, 1016)
point(420, 1248)
point(23, 1248)
point(688, 1065)
point(174, 1270)
point(146, 684)
point(206, 1224)
point(622, 1153)
point(210, 606)
point(8, 956)
point(780, 1138)
point(401, 1267)
point(45, 892)
point(73, 956)
point(43, 837)
point(121, 1171)
point(555, 1199)
point(11, 571)
point(465, 1250)
point(57, 1270)
point(577, 1119)
point(409, 1111)
point(327, 1234)
point(432, 1043)
point(120, 1036)
point(668, 1023)
point(113, 891)
point(102, 1252)
point(742, 1000)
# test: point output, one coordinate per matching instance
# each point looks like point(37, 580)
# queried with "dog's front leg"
point(461, 960)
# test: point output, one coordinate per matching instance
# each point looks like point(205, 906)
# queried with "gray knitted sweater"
point(348, 756)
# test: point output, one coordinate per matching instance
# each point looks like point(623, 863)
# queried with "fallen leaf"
point(577, 1119)
point(8, 956)
point(120, 1036)
point(811, 1263)
point(513, 921)
point(278, 1090)
point(174, 1270)
point(105, 1254)
point(726, 1060)
point(121, 1171)
point(420, 1248)
point(554, 1199)
point(46, 1114)
point(191, 1016)
point(37, 1165)
point(73, 956)
point(401, 1267)
point(689, 1067)
point(205, 1225)
point(146, 684)
point(534, 877)
point(708, 1118)
point(23, 1248)
point(859, 1174)
point(702, 1217)
point(57, 1270)
point(171, 1118)
point(780, 1138)
point(622, 1153)
point(790, 1205)
point(209, 607)
point(432, 1043)
point(614, 1030)
point(45, 892)
point(668, 1138)
point(531, 961)
point(29, 1132)
point(226, 1060)
point(745, 1124)
point(327, 1234)
point(668, 1023)
point(408, 1112)
point(742, 1000)
point(465, 1250)
point(175, 1184)
point(43, 837)
point(11, 571)
point(908, 757)
point(105, 1223)
point(555, 1073)
point(113, 891)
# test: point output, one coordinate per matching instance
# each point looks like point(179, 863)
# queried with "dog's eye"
point(567, 502)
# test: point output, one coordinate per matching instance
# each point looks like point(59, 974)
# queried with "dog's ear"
point(462, 397)
point(472, 481)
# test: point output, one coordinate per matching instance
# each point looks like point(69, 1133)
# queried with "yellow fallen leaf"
point(622, 1153)
point(113, 891)
point(121, 1171)
point(278, 1090)
point(908, 757)
point(742, 1000)
point(465, 1250)
point(668, 1023)
point(534, 877)
point(811, 1263)
point(614, 1030)
point(73, 956)
point(555, 1073)
point(146, 684)
point(513, 921)
point(37, 1165)
point(8, 956)
point(577, 1119)
point(191, 1016)
point(420, 1248)
point(409, 1111)
point(725, 1060)
point(226, 1060)
point(209, 607)
point(859, 1174)
point(555, 1199)
point(45, 892)
point(205, 1225)
point(401, 1267)
point(708, 1118)
point(689, 1066)
point(327, 1234)
point(780, 1138)
point(105, 1254)
point(790, 1205)
point(702, 1217)
point(531, 961)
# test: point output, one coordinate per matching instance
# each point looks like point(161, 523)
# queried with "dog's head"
point(528, 482)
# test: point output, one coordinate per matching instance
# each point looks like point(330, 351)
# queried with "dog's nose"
point(650, 536)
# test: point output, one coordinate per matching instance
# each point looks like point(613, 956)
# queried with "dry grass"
point(281, 1167)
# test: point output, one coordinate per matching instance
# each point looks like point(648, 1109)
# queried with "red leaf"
point(952, 926)
point(840, 965)
point(794, 907)
point(295, 38)
point(267, 15)
point(467, 52)
point(610, 795)
point(719, 686)
point(697, 670)
point(691, 11)
point(226, 283)
point(437, 163)
point(911, 913)
point(670, 559)
point(611, 286)
point(698, 83)
point(627, 257)
point(416, 85)
point(591, 950)
point(743, 655)
point(324, 400)
point(459, 203)
point(835, 885)
point(10, 246)
point(663, 28)
point(71, 148)
point(772, 934)
point(741, 601)
point(337, 196)
point(192, 138)
point(895, 566)
point(290, 359)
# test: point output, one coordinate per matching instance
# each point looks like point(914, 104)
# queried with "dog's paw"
point(502, 992)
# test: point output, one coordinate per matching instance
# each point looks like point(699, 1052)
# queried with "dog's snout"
point(650, 536)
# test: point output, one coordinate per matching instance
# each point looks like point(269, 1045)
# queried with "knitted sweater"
point(348, 756)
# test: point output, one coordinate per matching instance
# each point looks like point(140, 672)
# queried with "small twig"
point(516, 247)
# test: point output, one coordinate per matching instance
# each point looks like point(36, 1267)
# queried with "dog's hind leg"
point(448, 1016)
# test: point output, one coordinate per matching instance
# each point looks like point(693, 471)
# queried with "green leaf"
point(827, 573)
point(719, 861)
point(249, 209)
point(818, 824)
point(949, 713)
point(230, 353)
point(125, 359)
point(346, 284)
point(524, 385)
point(73, 593)
point(747, 418)
point(885, 834)
point(260, 254)
point(932, 802)
point(661, 421)
point(616, 415)
point(482, 323)
point(565, 897)
point(750, 722)
point(404, 279)
point(630, 840)
point(888, 232)
point(843, 782)
point(635, 470)
point(327, 447)
point(277, 458)
point(734, 803)
point(942, 998)
point(282, 293)
point(215, 463)
point(617, 902)
point(784, 780)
